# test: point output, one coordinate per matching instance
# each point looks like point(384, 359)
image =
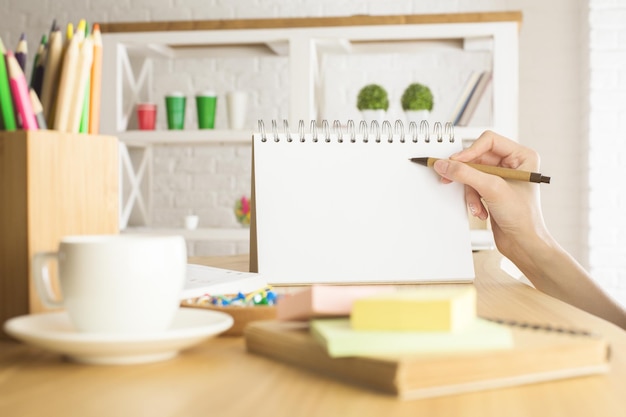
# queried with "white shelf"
point(304, 41)
point(206, 234)
point(184, 137)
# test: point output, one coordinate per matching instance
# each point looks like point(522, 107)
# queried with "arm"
point(518, 226)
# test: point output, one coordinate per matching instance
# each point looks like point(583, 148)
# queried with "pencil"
point(7, 115)
point(19, 88)
point(96, 82)
point(66, 82)
point(79, 85)
point(21, 52)
point(50, 84)
point(38, 110)
point(506, 173)
point(36, 79)
point(84, 117)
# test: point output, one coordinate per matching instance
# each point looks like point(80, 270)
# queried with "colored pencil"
point(51, 74)
point(96, 82)
point(21, 52)
point(37, 109)
point(19, 88)
point(84, 117)
point(7, 115)
point(78, 86)
point(36, 79)
point(66, 83)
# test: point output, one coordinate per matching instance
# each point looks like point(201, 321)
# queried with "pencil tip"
point(545, 179)
point(421, 161)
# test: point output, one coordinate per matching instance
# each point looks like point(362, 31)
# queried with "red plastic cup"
point(146, 116)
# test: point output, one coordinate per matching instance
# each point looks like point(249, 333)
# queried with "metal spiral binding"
point(374, 131)
point(542, 327)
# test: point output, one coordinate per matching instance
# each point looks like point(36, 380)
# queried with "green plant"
point(417, 97)
point(372, 97)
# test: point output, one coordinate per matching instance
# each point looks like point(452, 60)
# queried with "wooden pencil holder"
point(52, 185)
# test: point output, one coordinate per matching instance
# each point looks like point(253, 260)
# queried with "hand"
point(514, 206)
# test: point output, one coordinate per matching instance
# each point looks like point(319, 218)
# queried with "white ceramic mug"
point(115, 283)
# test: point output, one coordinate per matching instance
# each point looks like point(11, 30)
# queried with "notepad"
point(207, 280)
point(340, 340)
point(340, 207)
point(324, 301)
point(431, 308)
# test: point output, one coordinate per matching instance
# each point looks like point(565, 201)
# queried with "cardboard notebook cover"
point(537, 355)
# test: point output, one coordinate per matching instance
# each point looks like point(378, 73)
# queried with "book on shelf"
point(475, 98)
point(464, 97)
point(536, 355)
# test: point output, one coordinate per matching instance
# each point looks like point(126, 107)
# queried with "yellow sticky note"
point(431, 308)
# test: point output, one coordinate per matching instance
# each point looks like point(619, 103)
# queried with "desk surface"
point(219, 378)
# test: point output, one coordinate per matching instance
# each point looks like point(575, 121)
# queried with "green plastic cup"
point(206, 103)
point(175, 104)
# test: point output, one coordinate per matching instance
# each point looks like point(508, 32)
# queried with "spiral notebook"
point(344, 204)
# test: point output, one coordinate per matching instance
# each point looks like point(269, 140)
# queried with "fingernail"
point(472, 209)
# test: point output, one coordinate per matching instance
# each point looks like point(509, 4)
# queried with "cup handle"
point(41, 276)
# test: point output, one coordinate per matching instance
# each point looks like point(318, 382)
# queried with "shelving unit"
point(304, 41)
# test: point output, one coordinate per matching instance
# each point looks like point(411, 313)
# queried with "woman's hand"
point(518, 226)
point(514, 206)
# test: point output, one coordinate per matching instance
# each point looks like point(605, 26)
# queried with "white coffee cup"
point(115, 283)
point(237, 102)
point(191, 222)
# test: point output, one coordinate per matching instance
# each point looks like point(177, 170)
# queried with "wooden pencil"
point(37, 110)
point(36, 79)
point(7, 115)
point(50, 84)
point(96, 82)
point(21, 52)
point(79, 85)
point(66, 83)
point(21, 98)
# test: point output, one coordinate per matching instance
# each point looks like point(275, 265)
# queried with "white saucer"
point(55, 332)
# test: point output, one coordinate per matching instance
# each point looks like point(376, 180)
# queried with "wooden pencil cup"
point(52, 184)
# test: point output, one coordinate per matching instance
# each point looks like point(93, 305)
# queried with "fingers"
point(494, 149)
point(485, 185)
point(475, 204)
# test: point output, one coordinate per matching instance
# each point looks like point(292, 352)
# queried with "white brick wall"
point(607, 144)
point(553, 103)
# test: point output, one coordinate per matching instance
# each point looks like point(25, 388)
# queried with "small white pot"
point(371, 115)
point(416, 115)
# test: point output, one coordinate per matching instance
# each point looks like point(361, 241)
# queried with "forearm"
point(553, 271)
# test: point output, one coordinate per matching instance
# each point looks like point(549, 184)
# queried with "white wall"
point(607, 144)
point(552, 74)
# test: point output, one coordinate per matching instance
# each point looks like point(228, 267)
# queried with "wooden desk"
point(219, 378)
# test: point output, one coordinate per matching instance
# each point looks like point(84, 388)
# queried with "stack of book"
point(418, 343)
point(470, 97)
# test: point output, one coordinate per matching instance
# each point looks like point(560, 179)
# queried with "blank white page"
point(357, 212)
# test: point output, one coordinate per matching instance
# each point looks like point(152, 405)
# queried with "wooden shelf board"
point(275, 23)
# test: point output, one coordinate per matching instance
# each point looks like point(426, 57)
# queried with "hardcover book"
point(536, 355)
